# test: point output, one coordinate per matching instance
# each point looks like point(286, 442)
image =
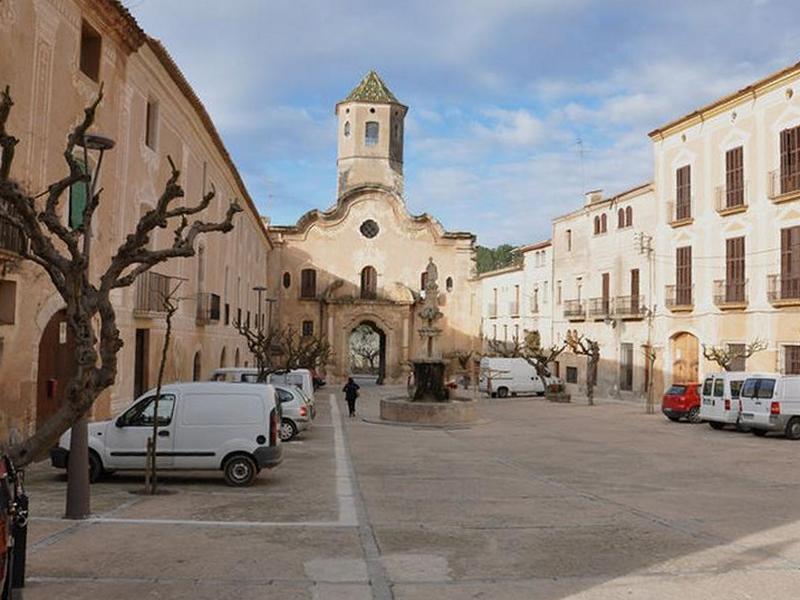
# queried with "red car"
point(682, 401)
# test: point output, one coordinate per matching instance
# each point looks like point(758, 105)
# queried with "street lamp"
point(78, 504)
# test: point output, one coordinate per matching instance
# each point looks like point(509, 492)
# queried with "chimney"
point(593, 196)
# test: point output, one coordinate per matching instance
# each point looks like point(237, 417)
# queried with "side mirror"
point(120, 422)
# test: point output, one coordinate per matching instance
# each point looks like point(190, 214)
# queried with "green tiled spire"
point(371, 89)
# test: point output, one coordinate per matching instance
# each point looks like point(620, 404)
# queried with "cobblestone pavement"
point(537, 501)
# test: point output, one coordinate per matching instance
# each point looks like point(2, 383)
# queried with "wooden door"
point(56, 366)
point(685, 358)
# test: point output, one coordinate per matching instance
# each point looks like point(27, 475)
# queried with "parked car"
point(297, 414)
point(302, 378)
point(223, 426)
point(771, 402)
point(504, 377)
point(682, 401)
point(721, 405)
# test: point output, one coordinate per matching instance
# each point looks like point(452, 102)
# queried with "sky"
point(516, 106)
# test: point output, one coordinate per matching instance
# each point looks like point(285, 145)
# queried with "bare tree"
point(580, 344)
point(724, 356)
point(58, 249)
point(365, 343)
point(531, 349)
point(303, 351)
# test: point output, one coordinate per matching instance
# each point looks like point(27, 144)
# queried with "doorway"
point(57, 365)
point(685, 357)
point(367, 352)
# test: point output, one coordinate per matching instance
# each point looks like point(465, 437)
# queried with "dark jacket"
point(350, 390)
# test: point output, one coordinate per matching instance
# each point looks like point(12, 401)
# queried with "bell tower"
point(370, 148)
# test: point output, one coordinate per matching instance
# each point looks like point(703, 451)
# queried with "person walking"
point(350, 390)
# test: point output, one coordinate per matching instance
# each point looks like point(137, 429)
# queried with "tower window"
point(369, 228)
point(347, 129)
point(151, 124)
point(91, 43)
point(371, 133)
point(287, 280)
point(372, 110)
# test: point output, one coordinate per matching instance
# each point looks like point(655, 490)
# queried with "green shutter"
point(78, 194)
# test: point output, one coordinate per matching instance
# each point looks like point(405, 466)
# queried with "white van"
point(201, 426)
point(771, 402)
point(720, 399)
point(301, 378)
point(504, 377)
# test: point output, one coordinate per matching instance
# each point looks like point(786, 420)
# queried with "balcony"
point(630, 307)
point(151, 291)
point(783, 291)
point(784, 185)
point(679, 298)
point(12, 239)
point(208, 308)
point(599, 308)
point(680, 212)
point(513, 308)
point(574, 310)
point(492, 310)
point(730, 295)
point(731, 200)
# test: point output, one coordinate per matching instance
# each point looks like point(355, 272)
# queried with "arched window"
point(629, 217)
point(596, 225)
point(620, 218)
point(448, 284)
point(347, 129)
point(308, 283)
point(222, 359)
point(603, 223)
point(287, 280)
point(371, 132)
point(196, 367)
point(236, 359)
point(369, 283)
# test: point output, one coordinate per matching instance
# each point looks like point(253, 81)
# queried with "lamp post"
point(78, 504)
point(259, 289)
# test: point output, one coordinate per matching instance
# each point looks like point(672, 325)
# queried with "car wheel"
point(693, 416)
point(288, 430)
point(502, 392)
point(742, 428)
point(759, 432)
point(716, 425)
point(95, 468)
point(240, 471)
point(793, 428)
point(673, 418)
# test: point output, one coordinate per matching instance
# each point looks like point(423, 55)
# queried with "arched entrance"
point(685, 350)
point(56, 366)
point(367, 351)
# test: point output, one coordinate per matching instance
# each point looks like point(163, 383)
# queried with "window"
point(683, 276)
point(683, 193)
point(629, 216)
point(308, 328)
point(738, 362)
point(347, 129)
point(287, 280)
point(635, 300)
point(248, 319)
point(423, 281)
point(792, 360)
point(308, 283)
point(516, 333)
point(790, 160)
point(227, 314)
point(448, 284)
point(596, 225)
point(369, 229)
point(790, 262)
point(734, 177)
point(78, 196)
point(8, 301)
point(606, 289)
point(151, 124)
point(91, 44)
point(505, 334)
point(238, 319)
point(558, 293)
point(603, 223)
point(734, 270)
point(626, 367)
point(371, 133)
point(197, 366)
point(142, 414)
point(719, 388)
point(369, 283)
point(494, 332)
point(569, 240)
point(620, 218)
point(572, 374)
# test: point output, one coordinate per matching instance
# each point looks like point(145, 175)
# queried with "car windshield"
point(758, 388)
point(677, 390)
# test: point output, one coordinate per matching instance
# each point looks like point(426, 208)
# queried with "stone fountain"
point(428, 401)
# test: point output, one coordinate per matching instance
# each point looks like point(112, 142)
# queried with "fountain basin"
point(400, 410)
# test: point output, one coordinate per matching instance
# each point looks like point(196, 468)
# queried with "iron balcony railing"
point(727, 293)
point(782, 289)
point(574, 309)
point(151, 291)
point(208, 308)
point(630, 307)
point(783, 182)
point(679, 296)
point(12, 238)
point(731, 198)
point(599, 308)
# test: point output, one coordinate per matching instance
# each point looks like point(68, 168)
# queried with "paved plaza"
point(537, 501)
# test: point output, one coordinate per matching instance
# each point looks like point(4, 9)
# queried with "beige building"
point(54, 54)
point(363, 260)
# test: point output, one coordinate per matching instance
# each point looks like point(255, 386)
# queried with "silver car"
point(297, 412)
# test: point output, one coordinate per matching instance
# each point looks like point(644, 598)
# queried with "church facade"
point(363, 261)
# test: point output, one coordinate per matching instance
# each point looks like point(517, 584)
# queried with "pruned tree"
point(303, 351)
point(725, 356)
point(531, 349)
point(582, 345)
point(365, 343)
point(62, 253)
point(466, 360)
